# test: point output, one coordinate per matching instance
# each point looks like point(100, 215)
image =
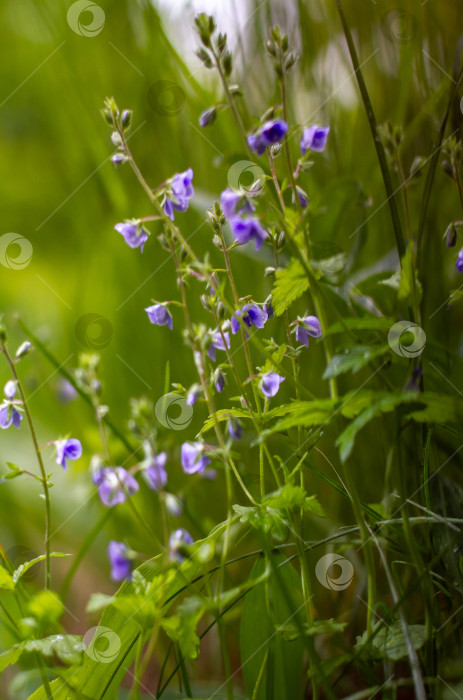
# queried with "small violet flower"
point(247, 229)
point(234, 428)
point(220, 382)
point(178, 540)
point(159, 315)
point(270, 384)
point(314, 138)
point(121, 566)
point(193, 395)
point(252, 315)
point(181, 192)
point(67, 449)
point(459, 263)
point(218, 344)
point(271, 132)
point(9, 415)
point(310, 325)
point(154, 471)
point(134, 235)
point(115, 485)
point(193, 458)
point(229, 201)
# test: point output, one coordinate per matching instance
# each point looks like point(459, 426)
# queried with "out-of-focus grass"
point(60, 190)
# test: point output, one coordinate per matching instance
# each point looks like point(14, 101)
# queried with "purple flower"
point(159, 315)
point(121, 567)
point(303, 198)
point(67, 449)
point(193, 395)
point(270, 384)
point(9, 415)
point(208, 116)
point(268, 308)
point(134, 236)
point(220, 382)
point(247, 229)
point(193, 459)
point(178, 540)
point(459, 263)
point(115, 485)
point(181, 192)
point(234, 428)
point(314, 138)
point(218, 344)
point(271, 132)
point(155, 473)
point(310, 325)
point(10, 389)
point(229, 201)
point(66, 391)
point(252, 315)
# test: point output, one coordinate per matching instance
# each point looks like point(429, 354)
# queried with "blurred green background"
point(60, 190)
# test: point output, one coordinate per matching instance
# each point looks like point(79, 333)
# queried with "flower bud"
point(208, 117)
point(116, 138)
point(217, 241)
point(119, 158)
point(126, 119)
point(451, 235)
point(227, 63)
point(2, 333)
point(23, 349)
point(222, 42)
point(205, 58)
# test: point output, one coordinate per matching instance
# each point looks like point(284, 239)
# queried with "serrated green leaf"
point(291, 282)
point(364, 323)
point(10, 657)
point(389, 642)
point(98, 602)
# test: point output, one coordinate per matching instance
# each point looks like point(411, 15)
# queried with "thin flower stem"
point(41, 466)
point(231, 102)
point(286, 141)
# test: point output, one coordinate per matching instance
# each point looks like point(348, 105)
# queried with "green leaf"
point(66, 648)
point(364, 323)
point(21, 570)
point(181, 627)
point(290, 497)
point(10, 657)
point(410, 288)
point(264, 610)
point(291, 631)
point(6, 580)
point(437, 408)
point(98, 602)
point(46, 607)
point(354, 359)
point(291, 282)
point(389, 642)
